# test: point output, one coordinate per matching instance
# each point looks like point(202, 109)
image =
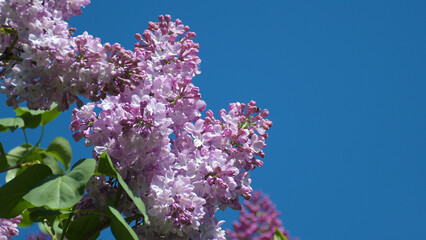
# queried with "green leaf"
point(52, 163)
point(105, 167)
point(81, 226)
point(50, 115)
point(18, 155)
point(119, 227)
point(30, 120)
point(60, 148)
point(25, 219)
point(63, 191)
point(278, 235)
point(3, 159)
point(41, 213)
point(11, 123)
point(22, 110)
point(33, 118)
point(11, 194)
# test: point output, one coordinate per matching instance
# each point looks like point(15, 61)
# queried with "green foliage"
point(27, 118)
point(119, 227)
point(42, 191)
point(11, 124)
point(11, 194)
point(61, 150)
point(33, 118)
point(27, 153)
point(25, 219)
point(278, 235)
point(83, 225)
point(18, 155)
point(40, 213)
point(50, 115)
point(52, 163)
point(3, 159)
point(62, 191)
point(105, 167)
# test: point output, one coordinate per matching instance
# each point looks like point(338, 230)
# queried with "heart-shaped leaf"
point(83, 225)
point(11, 194)
point(50, 115)
point(18, 155)
point(11, 123)
point(33, 118)
point(60, 148)
point(63, 191)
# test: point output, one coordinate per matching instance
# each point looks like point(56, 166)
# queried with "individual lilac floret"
point(258, 220)
point(9, 228)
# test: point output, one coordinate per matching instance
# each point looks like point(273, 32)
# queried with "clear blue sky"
point(345, 84)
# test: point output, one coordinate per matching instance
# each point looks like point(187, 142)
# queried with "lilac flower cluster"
point(185, 167)
point(9, 228)
point(42, 63)
point(258, 220)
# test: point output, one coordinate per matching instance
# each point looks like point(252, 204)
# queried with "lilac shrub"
point(145, 112)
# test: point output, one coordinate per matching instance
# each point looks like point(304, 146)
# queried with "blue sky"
point(345, 84)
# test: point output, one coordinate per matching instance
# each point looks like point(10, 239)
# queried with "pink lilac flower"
point(42, 63)
point(9, 228)
point(258, 220)
point(183, 166)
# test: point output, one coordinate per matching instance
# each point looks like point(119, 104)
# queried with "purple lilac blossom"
point(183, 166)
point(9, 228)
point(258, 220)
point(42, 63)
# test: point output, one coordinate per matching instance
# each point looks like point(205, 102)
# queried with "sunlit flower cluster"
point(183, 166)
point(145, 112)
point(43, 63)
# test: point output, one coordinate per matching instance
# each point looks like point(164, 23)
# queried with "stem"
point(68, 222)
point(26, 139)
point(41, 137)
point(21, 166)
